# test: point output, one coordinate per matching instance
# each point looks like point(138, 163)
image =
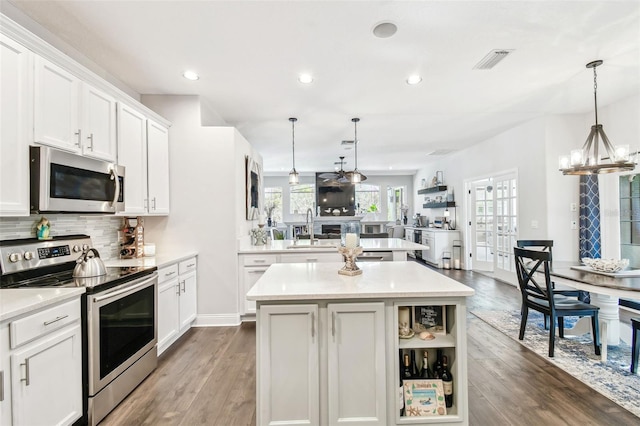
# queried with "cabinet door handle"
point(90, 137)
point(153, 203)
point(26, 372)
point(333, 324)
point(184, 286)
point(313, 324)
point(178, 287)
point(55, 320)
point(79, 134)
point(146, 204)
point(1, 385)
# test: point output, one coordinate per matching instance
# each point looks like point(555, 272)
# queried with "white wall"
point(207, 203)
point(545, 195)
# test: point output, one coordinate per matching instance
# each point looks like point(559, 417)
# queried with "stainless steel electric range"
point(119, 315)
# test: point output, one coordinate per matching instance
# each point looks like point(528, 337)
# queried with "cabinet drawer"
point(187, 266)
point(311, 257)
point(43, 322)
point(258, 260)
point(167, 273)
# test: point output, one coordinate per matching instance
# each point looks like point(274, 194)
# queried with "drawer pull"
point(259, 261)
point(26, 372)
point(312, 259)
point(55, 320)
point(255, 271)
point(190, 265)
point(169, 274)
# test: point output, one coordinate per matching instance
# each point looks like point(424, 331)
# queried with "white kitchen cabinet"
point(289, 364)
point(168, 306)
point(158, 168)
point(439, 242)
point(355, 359)
point(16, 104)
point(296, 342)
point(98, 124)
point(132, 154)
point(408, 236)
point(143, 149)
point(72, 115)
point(177, 301)
point(48, 337)
point(188, 293)
point(251, 268)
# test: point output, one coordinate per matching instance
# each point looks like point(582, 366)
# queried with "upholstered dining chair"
point(536, 289)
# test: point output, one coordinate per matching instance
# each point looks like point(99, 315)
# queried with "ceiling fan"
point(337, 177)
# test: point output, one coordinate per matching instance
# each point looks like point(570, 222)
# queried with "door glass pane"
point(480, 194)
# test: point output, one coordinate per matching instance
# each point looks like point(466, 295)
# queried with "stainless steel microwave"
point(68, 183)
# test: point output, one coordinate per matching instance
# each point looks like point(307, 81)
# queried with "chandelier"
point(586, 161)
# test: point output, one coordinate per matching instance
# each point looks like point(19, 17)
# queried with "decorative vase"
point(268, 221)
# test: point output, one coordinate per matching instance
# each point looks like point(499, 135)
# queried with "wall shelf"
point(443, 204)
point(439, 188)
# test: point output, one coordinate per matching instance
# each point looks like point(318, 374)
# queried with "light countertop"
point(14, 302)
point(379, 280)
point(159, 260)
point(427, 229)
point(329, 245)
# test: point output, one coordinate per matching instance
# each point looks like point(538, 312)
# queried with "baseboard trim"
point(217, 320)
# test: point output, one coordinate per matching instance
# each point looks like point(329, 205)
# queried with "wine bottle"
point(426, 371)
point(401, 390)
point(415, 373)
point(437, 366)
point(447, 382)
point(406, 368)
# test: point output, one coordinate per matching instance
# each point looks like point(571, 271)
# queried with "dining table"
point(605, 289)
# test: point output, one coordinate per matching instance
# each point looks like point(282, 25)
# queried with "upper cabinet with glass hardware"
point(72, 115)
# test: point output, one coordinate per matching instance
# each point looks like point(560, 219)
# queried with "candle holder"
point(350, 254)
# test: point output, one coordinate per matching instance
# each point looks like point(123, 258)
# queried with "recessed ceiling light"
point(414, 79)
point(305, 78)
point(190, 75)
point(385, 29)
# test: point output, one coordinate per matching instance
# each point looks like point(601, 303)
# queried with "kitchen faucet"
point(310, 229)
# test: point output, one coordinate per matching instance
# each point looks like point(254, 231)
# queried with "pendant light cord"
point(293, 140)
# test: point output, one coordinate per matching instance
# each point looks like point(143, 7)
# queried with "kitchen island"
point(328, 347)
point(254, 260)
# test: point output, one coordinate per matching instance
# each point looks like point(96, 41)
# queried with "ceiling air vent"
point(492, 59)
point(347, 144)
point(441, 152)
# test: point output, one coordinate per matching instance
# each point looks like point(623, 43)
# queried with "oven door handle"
point(121, 291)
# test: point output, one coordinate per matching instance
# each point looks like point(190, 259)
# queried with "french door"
point(494, 224)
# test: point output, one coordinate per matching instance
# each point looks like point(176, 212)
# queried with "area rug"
point(576, 356)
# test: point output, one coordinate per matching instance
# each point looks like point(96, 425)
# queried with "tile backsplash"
point(103, 230)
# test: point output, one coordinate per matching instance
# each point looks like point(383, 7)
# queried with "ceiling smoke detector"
point(492, 59)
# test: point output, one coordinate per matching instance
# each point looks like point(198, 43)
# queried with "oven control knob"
point(85, 247)
point(28, 255)
point(76, 248)
point(14, 257)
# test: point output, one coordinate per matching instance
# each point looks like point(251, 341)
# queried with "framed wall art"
point(430, 318)
point(253, 187)
point(424, 398)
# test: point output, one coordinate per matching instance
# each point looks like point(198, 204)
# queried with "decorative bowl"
point(336, 212)
point(606, 265)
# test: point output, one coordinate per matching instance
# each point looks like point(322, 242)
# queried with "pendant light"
point(294, 178)
point(355, 176)
point(586, 161)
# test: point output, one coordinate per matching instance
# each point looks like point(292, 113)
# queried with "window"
point(367, 198)
point(301, 198)
point(273, 199)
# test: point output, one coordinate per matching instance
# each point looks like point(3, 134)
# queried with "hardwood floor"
point(208, 378)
